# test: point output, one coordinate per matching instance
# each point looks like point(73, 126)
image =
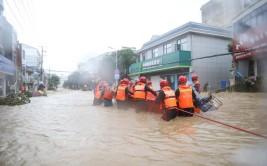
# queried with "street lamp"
point(115, 62)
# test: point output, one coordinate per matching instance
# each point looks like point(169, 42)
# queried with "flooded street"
point(65, 129)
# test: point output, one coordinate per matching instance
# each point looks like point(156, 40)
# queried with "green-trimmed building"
point(176, 52)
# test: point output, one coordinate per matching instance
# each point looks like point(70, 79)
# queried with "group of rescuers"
point(143, 97)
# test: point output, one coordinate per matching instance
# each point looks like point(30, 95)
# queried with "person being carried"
point(166, 99)
point(185, 96)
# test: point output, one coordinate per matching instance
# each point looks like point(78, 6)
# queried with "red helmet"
point(194, 77)
point(103, 83)
point(131, 83)
point(142, 79)
point(126, 81)
point(163, 83)
point(121, 82)
point(182, 79)
point(149, 83)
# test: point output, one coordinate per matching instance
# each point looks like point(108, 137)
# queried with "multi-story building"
point(89, 69)
point(250, 42)
point(8, 51)
point(221, 12)
point(31, 62)
point(182, 51)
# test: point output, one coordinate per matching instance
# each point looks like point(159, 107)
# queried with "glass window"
point(265, 17)
point(143, 57)
point(148, 56)
point(167, 48)
point(155, 52)
point(253, 22)
point(259, 20)
point(182, 44)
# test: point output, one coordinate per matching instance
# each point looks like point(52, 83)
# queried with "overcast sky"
point(74, 31)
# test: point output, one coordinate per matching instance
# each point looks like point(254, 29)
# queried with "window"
point(143, 57)
point(167, 48)
point(148, 55)
point(155, 52)
point(182, 44)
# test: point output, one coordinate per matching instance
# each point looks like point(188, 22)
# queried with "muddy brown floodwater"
point(65, 129)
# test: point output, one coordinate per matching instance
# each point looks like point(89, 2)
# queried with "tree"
point(74, 80)
point(53, 82)
point(125, 57)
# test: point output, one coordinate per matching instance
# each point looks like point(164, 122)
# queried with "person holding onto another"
point(139, 95)
point(185, 96)
point(166, 99)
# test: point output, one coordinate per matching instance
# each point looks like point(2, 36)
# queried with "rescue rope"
point(225, 124)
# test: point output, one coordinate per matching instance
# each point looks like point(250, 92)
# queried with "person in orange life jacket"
point(122, 94)
point(130, 95)
point(150, 98)
point(139, 95)
point(185, 96)
point(108, 95)
point(99, 93)
point(166, 99)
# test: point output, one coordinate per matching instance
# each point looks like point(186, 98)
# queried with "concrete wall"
point(212, 70)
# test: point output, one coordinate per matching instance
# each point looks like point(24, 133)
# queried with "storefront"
point(169, 67)
point(250, 43)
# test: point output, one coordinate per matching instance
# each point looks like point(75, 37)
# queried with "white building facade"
point(184, 51)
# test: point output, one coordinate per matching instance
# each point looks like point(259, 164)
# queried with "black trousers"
point(181, 113)
point(122, 105)
point(169, 114)
point(140, 106)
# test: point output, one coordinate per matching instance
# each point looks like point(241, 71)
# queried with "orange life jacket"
point(170, 100)
point(97, 92)
point(121, 92)
point(139, 91)
point(108, 94)
point(149, 95)
point(185, 99)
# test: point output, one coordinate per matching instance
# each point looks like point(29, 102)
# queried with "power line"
point(17, 20)
point(205, 57)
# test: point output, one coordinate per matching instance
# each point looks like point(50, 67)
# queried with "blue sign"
point(116, 76)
